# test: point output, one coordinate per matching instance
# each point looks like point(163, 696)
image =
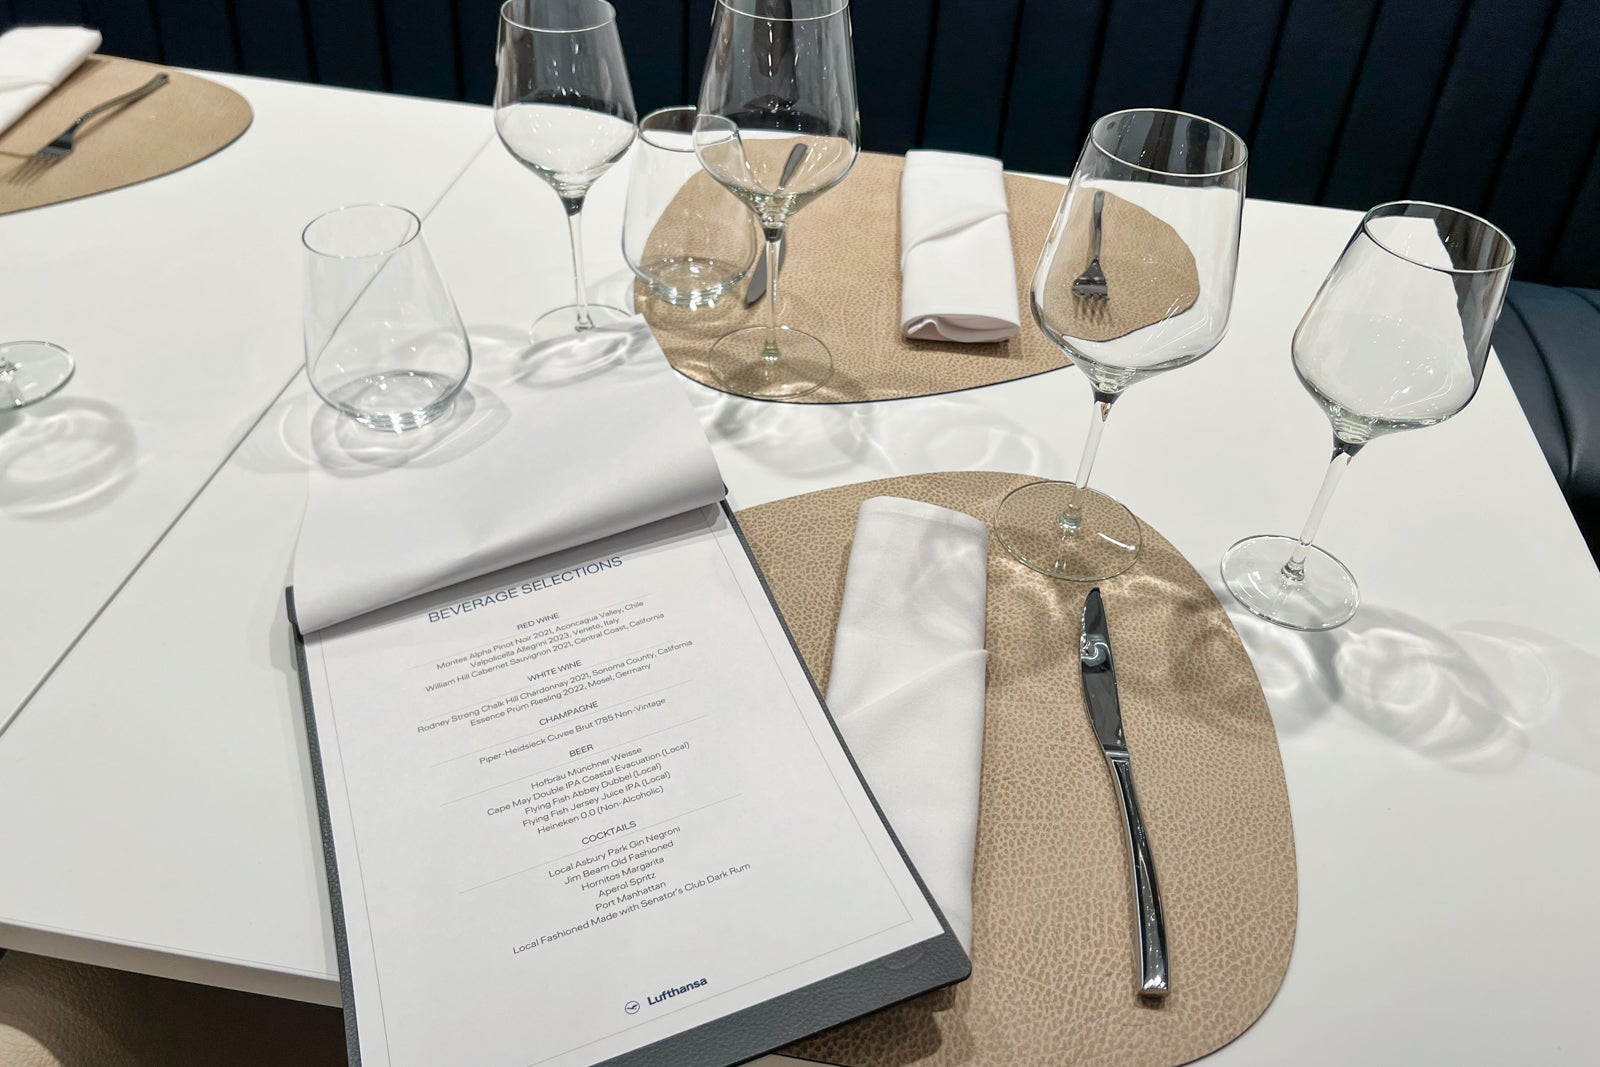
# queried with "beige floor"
point(56, 1014)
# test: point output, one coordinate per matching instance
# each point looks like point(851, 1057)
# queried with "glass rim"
point(1374, 213)
point(1244, 149)
point(843, 5)
point(605, 5)
point(645, 130)
point(412, 235)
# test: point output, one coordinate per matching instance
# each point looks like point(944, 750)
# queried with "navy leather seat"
point(1488, 105)
point(1549, 342)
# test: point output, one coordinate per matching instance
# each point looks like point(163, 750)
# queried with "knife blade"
point(758, 274)
point(1099, 675)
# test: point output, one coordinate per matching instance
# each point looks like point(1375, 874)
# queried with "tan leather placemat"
point(1053, 956)
point(841, 282)
point(1150, 272)
point(180, 123)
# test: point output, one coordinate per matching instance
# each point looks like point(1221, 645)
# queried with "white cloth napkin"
point(907, 684)
point(36, 59)
point(958, 278)
point(577, 458)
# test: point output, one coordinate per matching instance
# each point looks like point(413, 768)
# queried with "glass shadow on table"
point(1403, 677)
point(67, 457)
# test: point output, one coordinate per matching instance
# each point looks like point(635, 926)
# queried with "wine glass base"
point(31, 371)
point(742, 363)
point(563, 321)
point(1324, 598)
point(1031, 526)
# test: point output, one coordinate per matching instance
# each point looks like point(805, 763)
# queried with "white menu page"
point(586, 804)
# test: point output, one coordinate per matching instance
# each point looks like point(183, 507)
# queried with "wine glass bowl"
point(1135, 279)
point(563, 107)
point(777, 127)
point(1396, 339)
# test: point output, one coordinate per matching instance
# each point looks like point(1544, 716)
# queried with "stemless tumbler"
point(684, 235)
point(384, 342)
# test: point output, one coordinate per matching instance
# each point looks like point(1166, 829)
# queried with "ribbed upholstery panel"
point(653, 35)
point(1312, 84)
point(133, 21)
point(420, 42)
point(1412, 44)
point(347, 40)
point(478, 23)
point(1530, 379)
point(1489, 105)
point(1577, 253)
point(1549, 154)
point(889, 89)
point(1052, 84)
point(272, 38)
point(1143, 55)
point(197, 33)
point(1478, 106)
point(1565, 325)
point(964, 109)
point(1235, 43)
point(48, 11)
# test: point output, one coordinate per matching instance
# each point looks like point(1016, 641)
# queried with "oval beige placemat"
point(180, 123)
point(841, 281)
point(1053, 955)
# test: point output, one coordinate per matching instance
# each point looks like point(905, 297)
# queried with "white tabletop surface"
point(179, 299)
point(1442, 755)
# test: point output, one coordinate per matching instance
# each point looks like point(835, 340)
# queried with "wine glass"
point(1396, 339)
point(564, 109)
point(31, 371)
point(1136, 278)
point(778, 126)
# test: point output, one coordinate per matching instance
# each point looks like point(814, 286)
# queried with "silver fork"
point(62, 145)
point(1091, 284)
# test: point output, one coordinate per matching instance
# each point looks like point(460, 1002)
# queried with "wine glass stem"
point(1343, 452)
point(774, 235)
point(574, 206)
point(1072, 517)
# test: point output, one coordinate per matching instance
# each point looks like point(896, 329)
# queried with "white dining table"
point(156, 809)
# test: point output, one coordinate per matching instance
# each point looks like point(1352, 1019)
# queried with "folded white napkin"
point(958, 278)
point(576, 459)
point(36, 59)
point(907, 684)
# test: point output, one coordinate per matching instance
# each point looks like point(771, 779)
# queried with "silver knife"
point(758, 274)
point(1105, 714)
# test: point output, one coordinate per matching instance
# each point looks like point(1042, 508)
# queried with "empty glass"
point(1136, 278)
point(1396, 339)
point(384, 342)
point(564, 109)
point(778, 126)
point(31, 371)
point(684, 235)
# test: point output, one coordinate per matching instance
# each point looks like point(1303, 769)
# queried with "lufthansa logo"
point(632, 1007)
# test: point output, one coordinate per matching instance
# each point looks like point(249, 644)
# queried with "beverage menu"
point(590, 809)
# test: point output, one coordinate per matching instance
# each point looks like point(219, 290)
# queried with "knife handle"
point(1152, 931)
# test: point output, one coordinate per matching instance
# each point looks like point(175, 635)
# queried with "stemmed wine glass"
point(564, 109)
point(1396, 339)
point(31, 371)
point(778, 126)
point(1136, 278)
